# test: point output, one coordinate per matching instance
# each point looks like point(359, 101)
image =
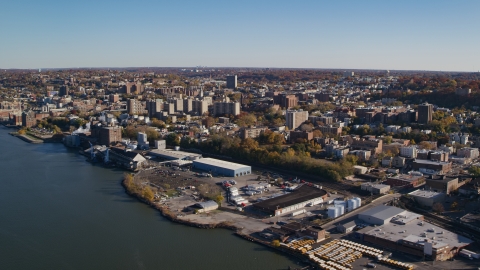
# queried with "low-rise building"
point(375, 188)
point(251, 132)
point(221, 167)
point(431, 167)
point(410, 234)
point(441, 183)
point(406, 180)
point(427, 197)
point(292, 201)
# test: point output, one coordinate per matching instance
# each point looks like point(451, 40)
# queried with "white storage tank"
point(341, 209)
point(359, 201)
point(332, 212)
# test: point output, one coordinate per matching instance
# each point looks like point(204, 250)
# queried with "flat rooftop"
point(301, 194)
point(405, 177)
point(405, 217)
point(424, 161)
point(425, 193)
point(172, 154)
point(220, 163)
point(383, 212)
point(414, 231)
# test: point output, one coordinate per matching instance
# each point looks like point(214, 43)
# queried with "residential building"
point(330, 130)
point(232, 82)
point(425, 113)
point(300, 135)
point(463, 91)
point(113, 98)
point(154, 106)
point(408, 151)
point(135, 107)
point(286, 101)
point(468, 152)
point(372, 144)
point(199, 107)
point(323, 97)
point(222, 108)
point(251, 132)
point(294, 118)
point(63, 91)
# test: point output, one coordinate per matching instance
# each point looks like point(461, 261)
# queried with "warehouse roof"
point(301, 194)
point(425, 193)
point(220, 163)
point(414, 231)
point(173, 155)
point(424, 161)
point(406, 177)
point(207, 204)
point(383, 212)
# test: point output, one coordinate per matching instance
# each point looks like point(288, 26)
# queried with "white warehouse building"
point(216, 166)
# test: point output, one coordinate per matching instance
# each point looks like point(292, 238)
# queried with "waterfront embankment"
point(26, 138)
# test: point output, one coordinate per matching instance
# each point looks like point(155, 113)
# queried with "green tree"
point(474, 171)
point(173, 139)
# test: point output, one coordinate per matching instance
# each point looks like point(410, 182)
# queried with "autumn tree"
point(219, 199)
point(148, 194)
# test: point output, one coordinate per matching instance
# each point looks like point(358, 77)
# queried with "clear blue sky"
point(366, 34)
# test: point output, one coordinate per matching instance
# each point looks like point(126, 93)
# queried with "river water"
point(58, 211)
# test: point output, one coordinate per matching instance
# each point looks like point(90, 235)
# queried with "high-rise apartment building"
point(295, 118)
point(199, 107)
point(63, 90)
point(154, 106)
point(221, 108)
point(232, 81)
point(425, 113)
point(135, 107)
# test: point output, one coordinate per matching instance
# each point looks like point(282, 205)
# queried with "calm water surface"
point(58, 211)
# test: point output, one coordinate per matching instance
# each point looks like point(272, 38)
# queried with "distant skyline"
point(394, 35)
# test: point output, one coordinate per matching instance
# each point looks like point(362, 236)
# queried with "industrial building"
point(410, 180)
point(292, 201)
point(431, 167)
point(380, 215)
point(202, 207)
point(375, 188)
point(442, 183)
point(427, 197)
point(174, 155)
point(346, 227)
point(221, 167)
point(400, 230)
